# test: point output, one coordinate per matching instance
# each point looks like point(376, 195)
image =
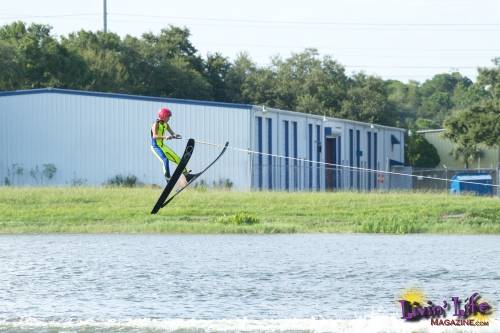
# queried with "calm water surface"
point(157, 283)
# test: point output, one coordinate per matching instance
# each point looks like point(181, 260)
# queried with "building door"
point(330, 158)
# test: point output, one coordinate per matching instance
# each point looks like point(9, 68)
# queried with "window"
point(310, 155)
point(259, 150)
point(295, 155)
point(358, 158)
point(318, 156)
point(369, 158)
point(269, 151)
point(351, 157)
point(287, 154)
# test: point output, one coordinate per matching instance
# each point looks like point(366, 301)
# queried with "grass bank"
point(126, 210)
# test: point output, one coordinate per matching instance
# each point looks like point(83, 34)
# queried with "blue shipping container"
point(461, 183)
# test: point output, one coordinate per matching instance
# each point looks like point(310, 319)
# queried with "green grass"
point(126, 210)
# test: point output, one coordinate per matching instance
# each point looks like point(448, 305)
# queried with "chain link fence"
point(421, 182)
point(282, 174)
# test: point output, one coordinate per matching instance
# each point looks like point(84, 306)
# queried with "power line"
point(269, 22)
point(369, 24)
point(411, 67)
point(311, 26)
point(321, 47)
point(47, 16)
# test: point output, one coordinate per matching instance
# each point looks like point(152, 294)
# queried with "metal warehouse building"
point(91, 137)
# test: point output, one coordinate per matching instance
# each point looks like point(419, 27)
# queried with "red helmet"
point(164, 113)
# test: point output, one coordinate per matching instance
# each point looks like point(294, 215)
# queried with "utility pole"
point(105, 17)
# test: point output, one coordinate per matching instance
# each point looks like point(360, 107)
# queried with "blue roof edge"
point(123, 96)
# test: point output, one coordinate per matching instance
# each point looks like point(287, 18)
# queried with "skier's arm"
point(172, 133)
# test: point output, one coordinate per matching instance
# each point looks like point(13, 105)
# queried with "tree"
point(472, 127)
point(173, 67)
point(436, 106)
point(367, 101)
point(404, 99)
point(139, 69)
point(441, 95)
point(173, 42)
point(216, 71)
point(176, 78)
point(478, 124)
point(236, 76)
point(259, 87)
point(38, 58)
point(420, 153)
point(307, 83)
point(102, 54)
point(11, 71)
point(422, 123)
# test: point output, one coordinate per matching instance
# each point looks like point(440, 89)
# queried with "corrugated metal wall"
point(92, 138)
point(286, 134)
point(489, 158)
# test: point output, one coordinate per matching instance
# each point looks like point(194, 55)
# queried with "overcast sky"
point(399, 39)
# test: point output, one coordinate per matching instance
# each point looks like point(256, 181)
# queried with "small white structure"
point(91, 137)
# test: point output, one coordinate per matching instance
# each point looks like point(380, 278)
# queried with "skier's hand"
point(177, 136)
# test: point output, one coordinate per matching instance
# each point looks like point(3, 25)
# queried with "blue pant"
point(166, 154)
point(163, 157)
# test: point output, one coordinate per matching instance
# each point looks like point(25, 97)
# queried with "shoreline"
point(105, 210)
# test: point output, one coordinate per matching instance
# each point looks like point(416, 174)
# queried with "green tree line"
point(168, 64)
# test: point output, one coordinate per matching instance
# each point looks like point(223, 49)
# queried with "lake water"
point(238, 283)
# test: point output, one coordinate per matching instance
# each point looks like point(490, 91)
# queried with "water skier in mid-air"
point(158, 147)
point(165, 154)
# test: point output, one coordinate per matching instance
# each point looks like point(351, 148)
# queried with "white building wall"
point(385, 151)
point(91, 138)
point(298, 175)
point(348, 178)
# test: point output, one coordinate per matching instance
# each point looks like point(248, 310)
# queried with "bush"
point(49, 170)
point(240, 218)
point(78, 182)
point(391, 226)
point(201, 186)
point(223, 183)
point(123, 181)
